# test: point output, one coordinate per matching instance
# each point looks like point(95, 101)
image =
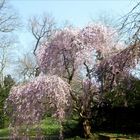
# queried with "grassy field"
point(51, 127)
point(48, 126)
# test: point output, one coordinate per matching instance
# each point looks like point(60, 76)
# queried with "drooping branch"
point(36, 96)
point(119, 63)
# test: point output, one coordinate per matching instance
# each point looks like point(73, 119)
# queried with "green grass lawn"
point(50, 126)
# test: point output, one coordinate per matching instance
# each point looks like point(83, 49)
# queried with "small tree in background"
point(4, 93)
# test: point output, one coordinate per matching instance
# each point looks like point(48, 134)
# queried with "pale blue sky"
point(78, 12)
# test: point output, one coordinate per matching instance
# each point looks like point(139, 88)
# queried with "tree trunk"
point(87, 128)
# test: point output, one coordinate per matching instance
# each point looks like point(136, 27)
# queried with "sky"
point(77, 12)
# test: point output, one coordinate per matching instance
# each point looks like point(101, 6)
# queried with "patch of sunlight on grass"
point(50, 126)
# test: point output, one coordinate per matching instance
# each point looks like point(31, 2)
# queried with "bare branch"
point(26, 67)
point(130, 27)
point(41, 28)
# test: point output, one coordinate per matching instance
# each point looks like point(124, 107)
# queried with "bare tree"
point(5, 45)
point(8, 18)
point(40, 28)
point(27, 67)
point(8, 23)
point(130, 27)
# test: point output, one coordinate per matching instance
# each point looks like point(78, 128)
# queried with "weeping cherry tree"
point(91, 54)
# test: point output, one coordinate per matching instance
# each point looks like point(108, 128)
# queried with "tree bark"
point(87, 128)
